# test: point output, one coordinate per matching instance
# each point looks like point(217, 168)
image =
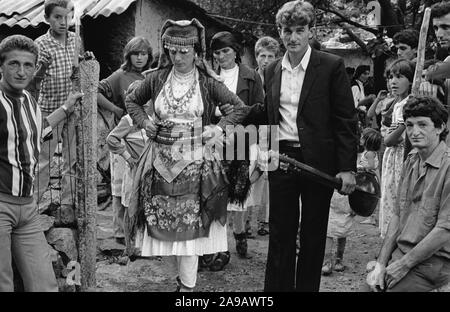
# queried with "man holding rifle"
point(308, 96)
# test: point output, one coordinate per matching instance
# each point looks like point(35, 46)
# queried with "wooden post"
point(86, 172)
point(421, 52)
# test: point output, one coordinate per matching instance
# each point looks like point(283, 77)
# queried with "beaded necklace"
point(178, 105)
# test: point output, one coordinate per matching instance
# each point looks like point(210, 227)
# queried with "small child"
point(371, 141)
point(127, 141)
point(341, 218)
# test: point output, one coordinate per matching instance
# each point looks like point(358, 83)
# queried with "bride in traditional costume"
point(180, 189)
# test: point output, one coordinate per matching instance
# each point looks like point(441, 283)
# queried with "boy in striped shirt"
point(22, 129)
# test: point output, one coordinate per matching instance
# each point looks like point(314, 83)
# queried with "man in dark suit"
point(308, 96)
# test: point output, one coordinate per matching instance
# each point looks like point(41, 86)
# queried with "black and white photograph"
point(233, 150)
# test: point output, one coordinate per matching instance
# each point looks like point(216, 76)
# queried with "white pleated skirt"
point(215, 242)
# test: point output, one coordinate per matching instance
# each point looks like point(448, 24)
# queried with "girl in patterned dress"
point(400, 76)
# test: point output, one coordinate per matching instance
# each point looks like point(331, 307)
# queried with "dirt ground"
point(157, 274)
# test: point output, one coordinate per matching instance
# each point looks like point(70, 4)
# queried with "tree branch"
point(355, 38)
point(349, 21)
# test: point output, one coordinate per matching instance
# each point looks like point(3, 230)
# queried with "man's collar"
point(285, 64)
point(435, 159)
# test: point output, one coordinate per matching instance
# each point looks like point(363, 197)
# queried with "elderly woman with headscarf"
point(180, 189)
point(137, 56)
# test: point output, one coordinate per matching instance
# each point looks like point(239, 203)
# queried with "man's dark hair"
point(17, 42)
point(440, 9)
point(49, 5)
point(408, 36)
point(427, 106)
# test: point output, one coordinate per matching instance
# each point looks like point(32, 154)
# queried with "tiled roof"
point(26, 13)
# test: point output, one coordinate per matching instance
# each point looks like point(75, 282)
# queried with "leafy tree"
point(257, 18)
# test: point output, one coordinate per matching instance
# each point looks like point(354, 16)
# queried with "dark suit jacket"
point(326, 117)
point(249, 88)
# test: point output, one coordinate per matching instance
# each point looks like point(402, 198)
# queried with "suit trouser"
point(66, 132)
point(22, 239)
point(284, 191)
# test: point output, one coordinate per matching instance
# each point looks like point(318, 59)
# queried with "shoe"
point(220, 261)
point(327, 268)
point(338, 266)
point(206, 260)
point(181, 287)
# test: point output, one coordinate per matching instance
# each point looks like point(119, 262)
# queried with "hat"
point(182, 34)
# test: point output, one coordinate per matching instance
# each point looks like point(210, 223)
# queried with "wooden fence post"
point(87, 172)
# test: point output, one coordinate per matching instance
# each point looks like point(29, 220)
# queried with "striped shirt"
point(20, 133)
point(56, 85)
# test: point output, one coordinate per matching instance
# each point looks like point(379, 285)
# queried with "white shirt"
point(230, 77)
point(291, 88)
point(358, 92)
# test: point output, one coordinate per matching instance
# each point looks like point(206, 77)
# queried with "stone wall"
point(59, 226)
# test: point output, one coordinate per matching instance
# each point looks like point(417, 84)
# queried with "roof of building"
point(25, 13)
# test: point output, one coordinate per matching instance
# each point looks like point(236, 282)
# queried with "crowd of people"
point(164, 109)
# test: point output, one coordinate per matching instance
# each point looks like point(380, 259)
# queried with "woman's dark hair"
point(427, 106)
point(372, 139)
point(226, 39)
point(360, 70)
point(135, 45)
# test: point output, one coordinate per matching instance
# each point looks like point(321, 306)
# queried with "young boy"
point(21, 127)
point(56, 54)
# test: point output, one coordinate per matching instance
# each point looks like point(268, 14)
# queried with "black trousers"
point(285, 188)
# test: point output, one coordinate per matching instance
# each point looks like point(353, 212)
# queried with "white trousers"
point(187, 270)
